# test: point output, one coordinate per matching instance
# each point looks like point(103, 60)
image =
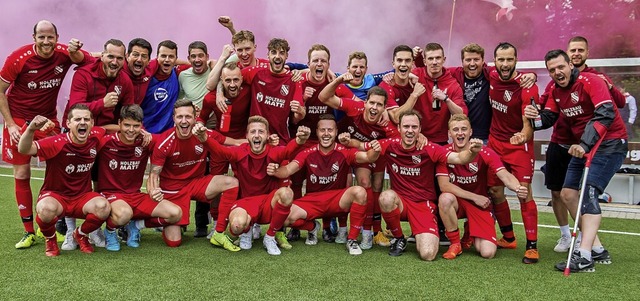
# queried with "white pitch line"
point(600, 231)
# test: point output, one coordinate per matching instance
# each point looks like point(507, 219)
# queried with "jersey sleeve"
point(79, 91)
point(249, 73)
point(442, 169)
point(350, 155)
point(437, 153)
point(391, 131)
point(455, 94)
point(351, 107)
point(491, 158)
point(11, 68)
point(301, 157)
point(526, 96)
point(599, 92)
point(343, 91)
point(208, 104)
point(218, 149)
point(216, 136)
point(50, 147)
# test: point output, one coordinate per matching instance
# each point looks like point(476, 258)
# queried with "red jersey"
point(326, 171)
point(89, 86)
point(141, 83)
point(68, 171)
point(507, 104)
point(262, 63)
point(411, 171)
point(182, 160)
point(399, 94)
point(239, 111)
point(271, 98)
point(251, 169)
point(561, 129)
point(359, 129)
point(314, 106)
point(472, 176)
point(121, 166)
point(578, 102)
point(35, 81)
point(435, 124)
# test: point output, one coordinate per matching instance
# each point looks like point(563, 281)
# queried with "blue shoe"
point(333, 226)
point(111, 238)
point(134, 235)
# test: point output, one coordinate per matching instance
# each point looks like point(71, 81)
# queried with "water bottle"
point(435, 104)
point(225, 119)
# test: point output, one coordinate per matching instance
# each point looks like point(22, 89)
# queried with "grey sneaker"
point(97, 238)
point(270, 244)
point(256, 231)
point(342, 235)
point(367, 241)
point(246, 240)
point(564, 243)
point(69, 242)
point(312, 236)
point(353, 247)
point(577, 264)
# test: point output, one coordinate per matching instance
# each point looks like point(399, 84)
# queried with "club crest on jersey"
point(117, 89)
point(574, 97)
point(70, 168)
point(452, 178)
point(58, 69)
point(113, 164)
point(93, 152)
point(374, 135)
point(416, 159)
point(160, 94)
point(394, 167)
point(313, 178)
point(350, 129)
point(473, 167)
point(335, 167)
point(259, 97)
point(507, 95)
point(138, 151)
point(284, 90)
point(199, 149)
point(32, 85)
point(145, 79)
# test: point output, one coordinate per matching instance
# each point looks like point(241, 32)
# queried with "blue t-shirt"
point(158, 103)
point(476, 97)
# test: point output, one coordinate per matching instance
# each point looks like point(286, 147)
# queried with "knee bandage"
point(590, 204)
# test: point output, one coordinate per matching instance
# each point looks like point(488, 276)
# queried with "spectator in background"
point(629, 112)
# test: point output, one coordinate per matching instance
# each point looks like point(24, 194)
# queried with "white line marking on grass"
point(11, 176)
point(602, 231)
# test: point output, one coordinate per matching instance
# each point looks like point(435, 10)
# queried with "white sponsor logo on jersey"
point(259, 96)
point(374, 135)
point(313, 178)
point(452, 178)
point(70, 168)
point(33, 72)
point(394, 167)
point(113, 164)
point(32, 85)
point(161, 94)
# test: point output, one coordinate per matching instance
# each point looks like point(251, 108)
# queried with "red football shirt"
point(181, 159)
point(68, 171)
point(326, 171)
point(35, 81)
point(412, 172)
point(507, 104)
point(141, 83)
point(359, 129)
point(121, 166)
point(472, 176)
point(397, 93)
point(239, 112)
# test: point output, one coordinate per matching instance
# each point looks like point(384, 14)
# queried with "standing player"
point(138, 67)
point(162, 91)
point(412, 193)
point(193, 80)
point(464, 192)
point(511, 138)
point(101, 86)
point(557, 156)
point(273, 91)
point(121, 164)
point(362, 125)
point(585, 101)
point(327, 166)
point(260, 199)
point(67, 183)
point(30, 82)
point(177, 169)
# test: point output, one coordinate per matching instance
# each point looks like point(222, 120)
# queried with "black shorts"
point(556, 167)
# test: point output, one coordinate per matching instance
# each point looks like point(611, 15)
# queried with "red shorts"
point(141, 203)
point(481, 222)
point(518, 159)
point(322, 204)
point(193, 190)
point(10, 152)
point(258, 207)
point(72, 206)
point(421, 216)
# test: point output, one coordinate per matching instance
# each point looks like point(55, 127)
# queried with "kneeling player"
point(412, 193)
point(67, 183)
point(327, 166)
point(464, 192)
point(121, 162)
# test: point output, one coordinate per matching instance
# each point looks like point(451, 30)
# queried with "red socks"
point(91, 223)
point(278, 216)
point(47, 229)
point(155, 222)
point(393, 222)
point(24, 198)
point(529, 212)
point(377, 218)
point(171, 243)
point(227, 199)
point(503, 215)
point(356, 218)
point(368, 218)
point(453, 236)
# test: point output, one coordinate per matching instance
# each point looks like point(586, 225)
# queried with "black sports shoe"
point(444, 240)
point(578, 264)
point(200, 232)
point(293, 235)
point(601, 258)
point(61, 226)
point(123, 234)
point(397, 246)
point(327, 236)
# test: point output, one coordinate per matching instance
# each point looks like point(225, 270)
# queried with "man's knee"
point(446, 201)
point(590, 204)
point(387, 200)
point(285, 196)
point(359, 195)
